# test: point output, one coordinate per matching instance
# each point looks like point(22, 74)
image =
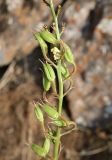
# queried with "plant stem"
point(60, 83)
point(55, 19)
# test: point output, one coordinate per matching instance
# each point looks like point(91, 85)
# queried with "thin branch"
point(46, 3)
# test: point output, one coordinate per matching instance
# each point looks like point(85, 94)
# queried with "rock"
point(18, 20)
point(90, 101)
point(106, 26)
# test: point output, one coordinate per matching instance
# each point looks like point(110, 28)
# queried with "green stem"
point(55, 19)
point(60, 83)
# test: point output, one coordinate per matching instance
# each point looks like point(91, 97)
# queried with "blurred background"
point(89, 33)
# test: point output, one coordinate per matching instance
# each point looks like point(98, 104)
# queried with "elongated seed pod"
point(38, 150)
point(64, 71)
point(46, 84)
point(42, 43)
point(46, 145)
point(38, 113)
point(48, 36)
point(46, 72)
point(68, 53)
point(52, 113)
point(49, 72)
point(60, 123)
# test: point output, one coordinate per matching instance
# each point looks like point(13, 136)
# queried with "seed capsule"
point(46, 84)
point(38, 150)
point(64, 71)
point(46, 145)
point(52, 113)
point(42, 43)
point(60, 123)
point(63, 123)
point(68, 53)
point(48, 36)
point(38, 113)
point(49, 72)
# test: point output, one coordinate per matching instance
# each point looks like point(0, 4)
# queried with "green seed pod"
point(46, 145)
point(38, 113)
point(60, 123)
point(38, 150)
point(64, 71)
point(42, 43)
point(46, 84)
point(49, 72)
point(68, 53)
point(46, 72)
point(52, 113)
point(48, 36)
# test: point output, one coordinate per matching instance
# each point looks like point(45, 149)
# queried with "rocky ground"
point(88, 31)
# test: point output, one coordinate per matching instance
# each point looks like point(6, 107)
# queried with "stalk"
point(60, 83)
point(58, 49)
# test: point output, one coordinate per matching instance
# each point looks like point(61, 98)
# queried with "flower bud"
point(56, 53)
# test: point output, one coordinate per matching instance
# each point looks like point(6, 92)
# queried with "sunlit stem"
point(60, 83)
